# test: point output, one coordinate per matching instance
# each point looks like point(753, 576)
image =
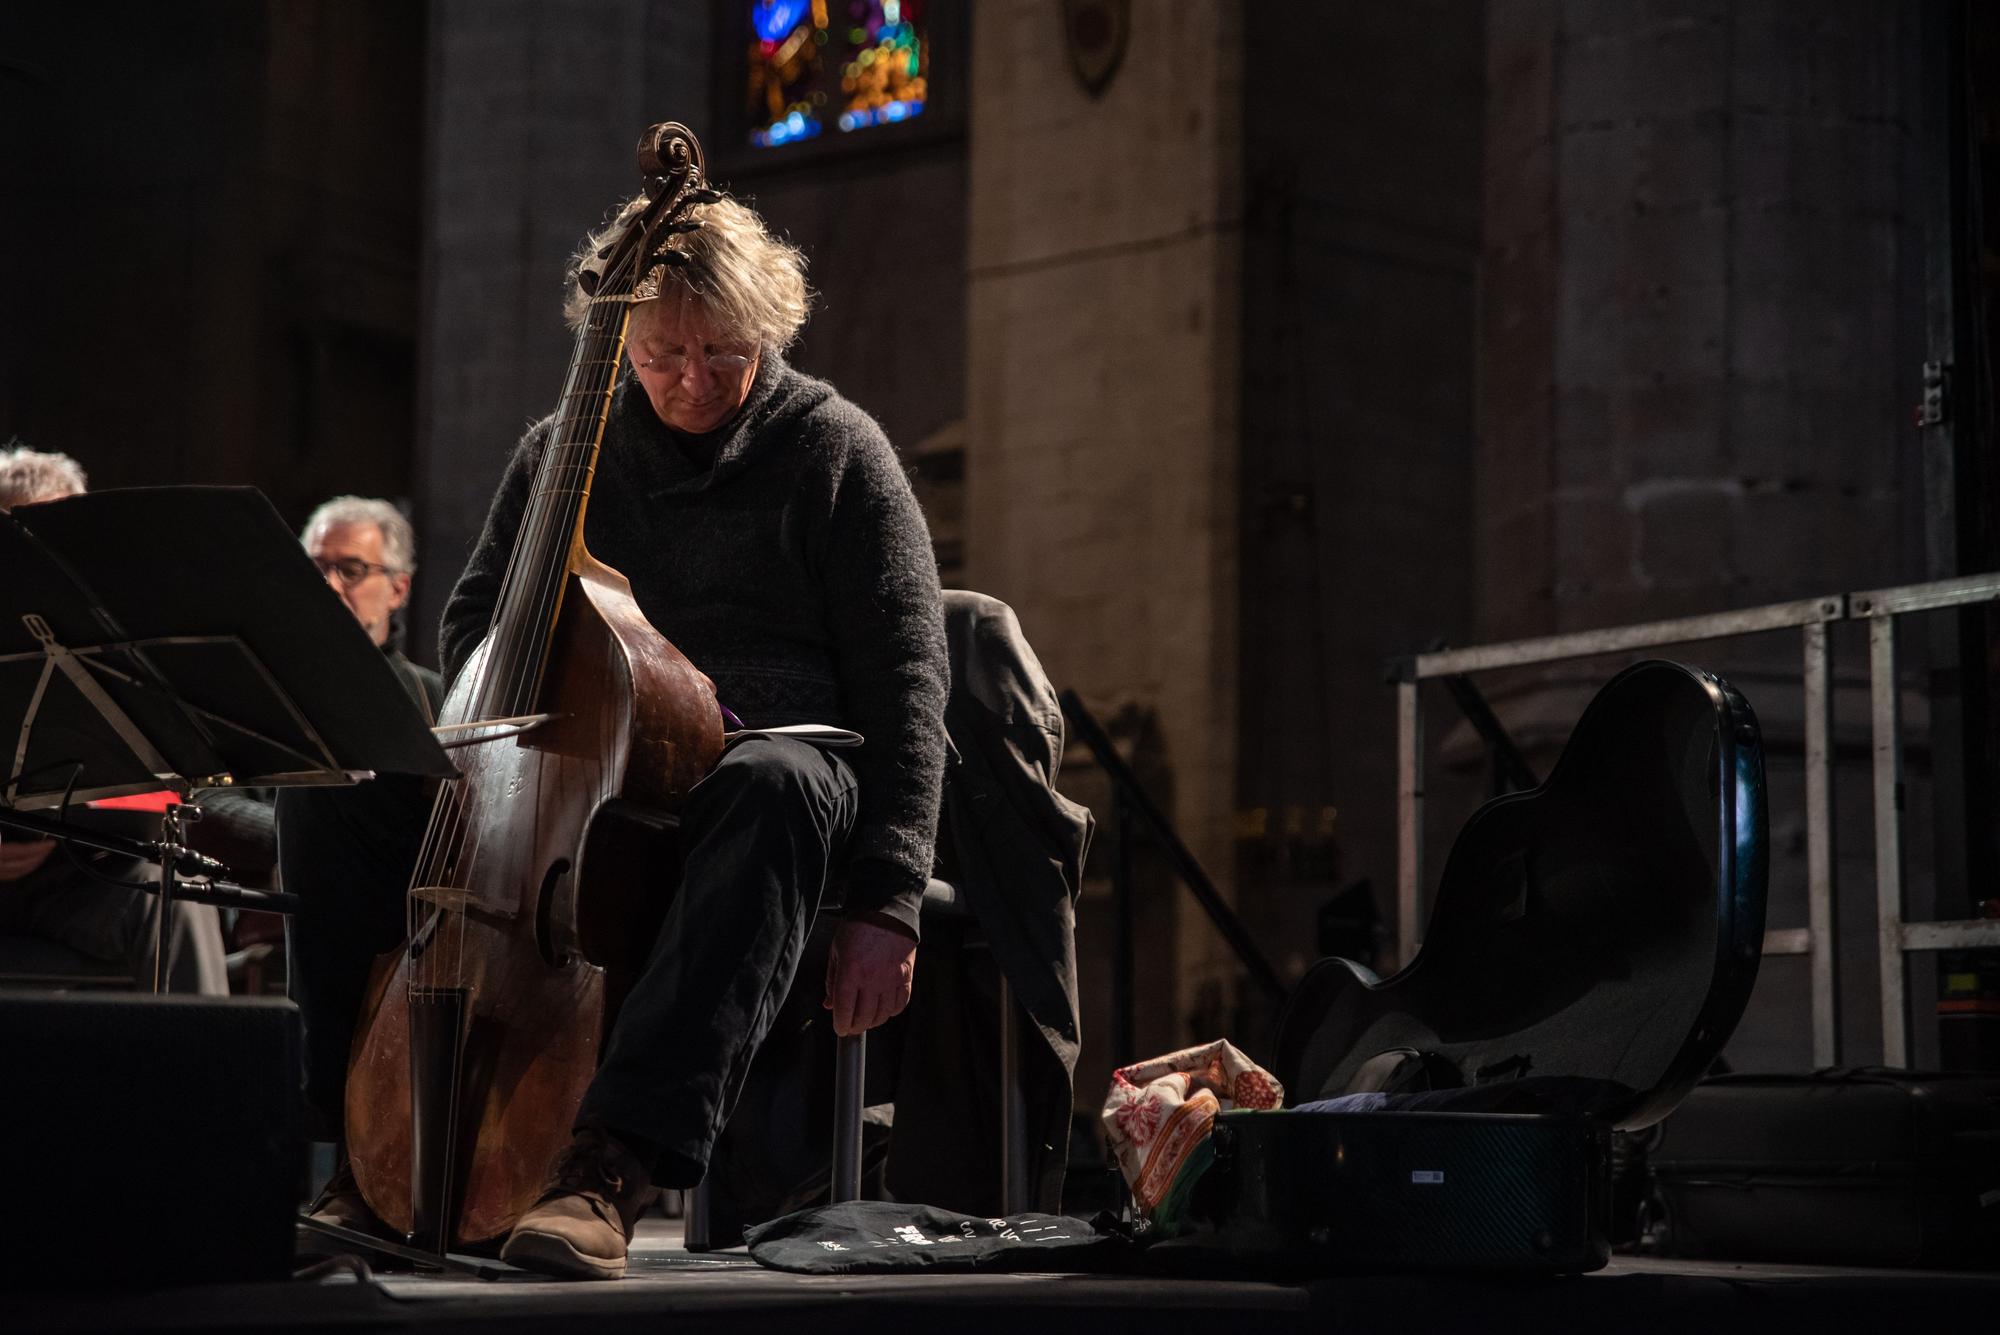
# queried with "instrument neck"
point(551, 533)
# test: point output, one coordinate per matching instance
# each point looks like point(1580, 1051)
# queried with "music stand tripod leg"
point(172, 834)
point(163, 911)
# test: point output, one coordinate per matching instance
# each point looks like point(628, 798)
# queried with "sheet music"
point(819, 734)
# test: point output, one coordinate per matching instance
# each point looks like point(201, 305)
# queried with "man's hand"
point(868, 975)
point(20, 857)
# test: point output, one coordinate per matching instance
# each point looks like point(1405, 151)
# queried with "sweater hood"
point(780, 399)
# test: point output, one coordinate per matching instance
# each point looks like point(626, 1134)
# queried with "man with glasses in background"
point(367, 552)
point(330, 839)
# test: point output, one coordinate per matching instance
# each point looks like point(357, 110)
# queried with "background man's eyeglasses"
point(351, 569)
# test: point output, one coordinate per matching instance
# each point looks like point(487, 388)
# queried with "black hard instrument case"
point(1591, 947)
point(1395, 1191)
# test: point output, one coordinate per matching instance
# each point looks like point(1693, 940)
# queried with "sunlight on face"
point(696, 376)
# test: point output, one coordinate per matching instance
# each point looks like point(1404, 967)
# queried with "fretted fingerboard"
point(531, 592)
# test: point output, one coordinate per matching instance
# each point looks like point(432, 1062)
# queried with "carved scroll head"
point(681, 234)
point(630, 251)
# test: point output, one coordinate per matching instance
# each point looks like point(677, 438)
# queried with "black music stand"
point(179, 638)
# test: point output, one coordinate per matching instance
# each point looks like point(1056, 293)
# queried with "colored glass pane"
point(843, 65)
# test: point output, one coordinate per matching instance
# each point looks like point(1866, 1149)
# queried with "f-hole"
point(553, 955)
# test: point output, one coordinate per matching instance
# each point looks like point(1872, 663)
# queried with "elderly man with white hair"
point(333, 839)
point(28, 476)
point(367, 551)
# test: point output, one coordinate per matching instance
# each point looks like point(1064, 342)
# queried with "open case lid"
point(1606, 925)
point(180, 637)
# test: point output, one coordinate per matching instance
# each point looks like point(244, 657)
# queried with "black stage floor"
point(669, 1289)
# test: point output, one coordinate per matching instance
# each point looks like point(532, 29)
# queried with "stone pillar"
point(1698, 299)
point(534, 108)
point(1102, 396)
point(1361, 264)
point(1702, 303)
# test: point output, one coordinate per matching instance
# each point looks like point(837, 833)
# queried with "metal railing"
point(1811, 618)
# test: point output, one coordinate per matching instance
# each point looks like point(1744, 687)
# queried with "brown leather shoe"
point(580, 1227)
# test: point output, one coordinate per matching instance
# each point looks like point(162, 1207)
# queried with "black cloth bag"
point(857, 1236)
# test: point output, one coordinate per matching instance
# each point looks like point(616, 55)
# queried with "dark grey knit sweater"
point(785, 555)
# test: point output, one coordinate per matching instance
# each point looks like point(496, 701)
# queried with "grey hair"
point(399, 540)
point(748, 281)
point(27, 476)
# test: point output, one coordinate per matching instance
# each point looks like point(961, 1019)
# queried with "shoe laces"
point(590, 1165)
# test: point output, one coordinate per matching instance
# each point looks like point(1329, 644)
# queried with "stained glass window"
point(835, 66)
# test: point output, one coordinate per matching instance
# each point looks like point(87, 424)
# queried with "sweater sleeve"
point(881, 589)
point(468, 612)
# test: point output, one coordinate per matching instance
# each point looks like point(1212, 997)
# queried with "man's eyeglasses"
point(351, 569)
point(676, 363)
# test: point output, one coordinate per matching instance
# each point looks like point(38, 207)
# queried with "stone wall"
point(533, 111)
point(1360, 265)
point(1701, 296)
point(208, 243)
point(1702, 304)
point(883, 230)
point(1102, 407)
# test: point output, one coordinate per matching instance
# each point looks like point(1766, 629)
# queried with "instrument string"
point(437, 925)
point(518, 643)
point(442, 852)
point(566, 479)
point(523, 636)
point(522, 631)
point(537, 570)
point(442, 848)
point(528, 618)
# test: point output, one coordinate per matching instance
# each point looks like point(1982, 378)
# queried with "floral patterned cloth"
point(1158, 1113)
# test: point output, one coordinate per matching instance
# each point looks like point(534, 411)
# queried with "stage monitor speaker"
point(147, 1140)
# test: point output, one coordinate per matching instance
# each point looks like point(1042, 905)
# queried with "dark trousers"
point(761, 836)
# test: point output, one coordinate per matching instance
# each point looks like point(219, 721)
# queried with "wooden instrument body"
point(1606, 926)
point(580, 729)
point(635, 727)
